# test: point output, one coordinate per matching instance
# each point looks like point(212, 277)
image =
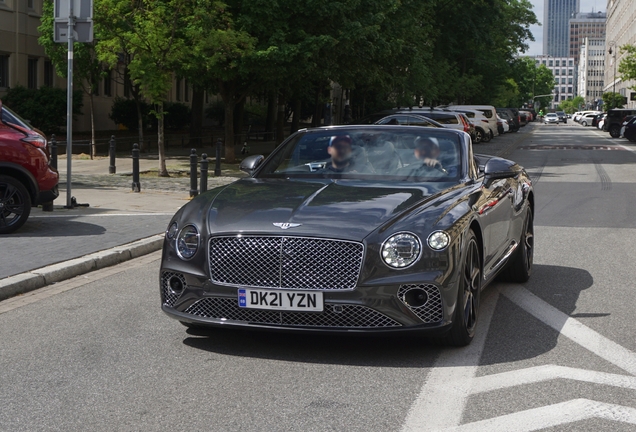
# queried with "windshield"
point(9, 116)
point(376, 153)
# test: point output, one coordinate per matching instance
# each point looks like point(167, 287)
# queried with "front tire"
point(479, 136)
point(519, 269)
point(15, 204)
point(584, 123)
point(467, 309)
point(615, 131)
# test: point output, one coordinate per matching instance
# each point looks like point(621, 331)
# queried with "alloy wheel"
point(472, 287)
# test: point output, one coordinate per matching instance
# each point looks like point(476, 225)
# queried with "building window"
point(127, 83)
point(551, 63)
point(32, 72)
point(556, 63)
point(30, 4)
point(187, 91)
point(178, 89)
point(4, 70)
point(48, 73)
point(108, 83)
point(569, 89)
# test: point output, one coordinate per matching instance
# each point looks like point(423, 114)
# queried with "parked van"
point(489, 112)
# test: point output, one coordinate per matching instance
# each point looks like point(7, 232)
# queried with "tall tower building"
point(585, 25)
point(556, 29)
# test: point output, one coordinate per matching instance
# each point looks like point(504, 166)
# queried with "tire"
point(479, 136)
point(491, 135)
point(584, 123)
point(615, 131)
point(519, 269)
point(466, 313)
point(485, 137)
point(15, 204)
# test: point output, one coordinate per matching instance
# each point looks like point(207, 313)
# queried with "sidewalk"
point(116, 216)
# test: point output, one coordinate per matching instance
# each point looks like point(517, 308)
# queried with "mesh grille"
point(429, 312)
point(339, 316)
point(169, 297)
point(285, 262)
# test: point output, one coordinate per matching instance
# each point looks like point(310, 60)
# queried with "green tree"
point(87, 69)
point(153, 33)
point(627, 66)
point(613, 100)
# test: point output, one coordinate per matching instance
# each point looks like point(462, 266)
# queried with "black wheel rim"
point(477, 137)
point(11, 205)
point(528, 242)
point(472, 285)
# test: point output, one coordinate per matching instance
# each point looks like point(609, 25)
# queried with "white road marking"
point(101, 215)
point(550, 416)
point(441, 401)
point(571, 328)
point(546, 373)
point(76, 282)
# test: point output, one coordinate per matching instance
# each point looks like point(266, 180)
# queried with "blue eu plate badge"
point(242, 297)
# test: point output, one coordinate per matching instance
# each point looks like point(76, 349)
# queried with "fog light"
point(176, 284)
point(416, 297)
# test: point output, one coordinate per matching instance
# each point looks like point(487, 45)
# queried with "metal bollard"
point(112, 169)
point(136, 186)
point(217, 162)
point(53, 151)
point(204, 172)
point(193, 173)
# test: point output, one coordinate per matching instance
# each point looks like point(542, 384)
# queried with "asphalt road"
point(557, 353)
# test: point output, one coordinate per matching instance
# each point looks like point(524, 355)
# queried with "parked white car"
point(601, 122)
point(489, 112)
point(504, 124)
point(586, 119)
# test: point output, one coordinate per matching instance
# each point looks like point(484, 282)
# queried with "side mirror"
point(250, 163)
point(498, 168)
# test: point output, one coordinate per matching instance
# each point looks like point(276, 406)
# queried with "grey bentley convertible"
point(352, 229)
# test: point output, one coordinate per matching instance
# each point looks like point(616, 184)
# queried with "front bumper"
point(364, 309)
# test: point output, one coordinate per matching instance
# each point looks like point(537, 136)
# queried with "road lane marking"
point(551, 416)
point(537, 374)
point(100, 215)
point(440, 403)
point(76, 282)
point(571, 328)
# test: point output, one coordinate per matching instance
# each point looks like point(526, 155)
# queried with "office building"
point(621, 30)
point(563, 70)
point(585, 25)
point(591, 71)
point(556, 30)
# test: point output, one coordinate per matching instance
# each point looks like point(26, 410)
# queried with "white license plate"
point(301, 301)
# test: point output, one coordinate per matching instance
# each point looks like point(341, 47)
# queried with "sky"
point(536, 47)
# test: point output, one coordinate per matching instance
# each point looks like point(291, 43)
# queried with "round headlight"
point(438, 240)
point(401, 250)
point(187, 242)
point(172, 231)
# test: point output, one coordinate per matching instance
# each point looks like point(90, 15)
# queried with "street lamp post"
point(612, 44)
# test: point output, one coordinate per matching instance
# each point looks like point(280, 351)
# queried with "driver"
point(340, 151)
point(427, 153)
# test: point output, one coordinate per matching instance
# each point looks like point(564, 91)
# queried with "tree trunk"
point(315, 121)
point(92, 149)
point(280, 121)
point(229, 130)
point(271, 117)
point(140, 126)
point(196, 122)
point(239, 117)
point(163, 171)
point(295, 124)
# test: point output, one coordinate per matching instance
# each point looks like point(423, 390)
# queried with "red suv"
point(26, 178)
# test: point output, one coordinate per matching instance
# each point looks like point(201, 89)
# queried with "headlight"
point(187, 242)
point(401, 250)
point(438, 240)
point(172, 231)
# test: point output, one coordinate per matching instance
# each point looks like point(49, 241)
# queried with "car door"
point(495, 211)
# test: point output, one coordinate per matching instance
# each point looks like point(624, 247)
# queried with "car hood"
point(346, 209)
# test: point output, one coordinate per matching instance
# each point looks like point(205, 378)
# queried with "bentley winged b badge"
point(286, 225)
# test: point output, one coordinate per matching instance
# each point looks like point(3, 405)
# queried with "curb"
point(38, 278)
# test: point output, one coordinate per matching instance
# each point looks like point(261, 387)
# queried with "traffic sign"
point(82, 20)
point(83, 31)
point(82, 9)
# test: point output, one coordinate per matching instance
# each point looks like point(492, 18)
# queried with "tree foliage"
point(613, 100)
point(627, 66)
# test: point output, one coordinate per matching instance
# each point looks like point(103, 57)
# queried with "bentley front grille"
point(169, 296)
point(429, 312)
point(285, 262)
point(334, 316)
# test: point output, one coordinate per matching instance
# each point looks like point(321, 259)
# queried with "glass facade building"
point(556, 28)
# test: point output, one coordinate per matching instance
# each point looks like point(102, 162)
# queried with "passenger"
point(427, 153)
